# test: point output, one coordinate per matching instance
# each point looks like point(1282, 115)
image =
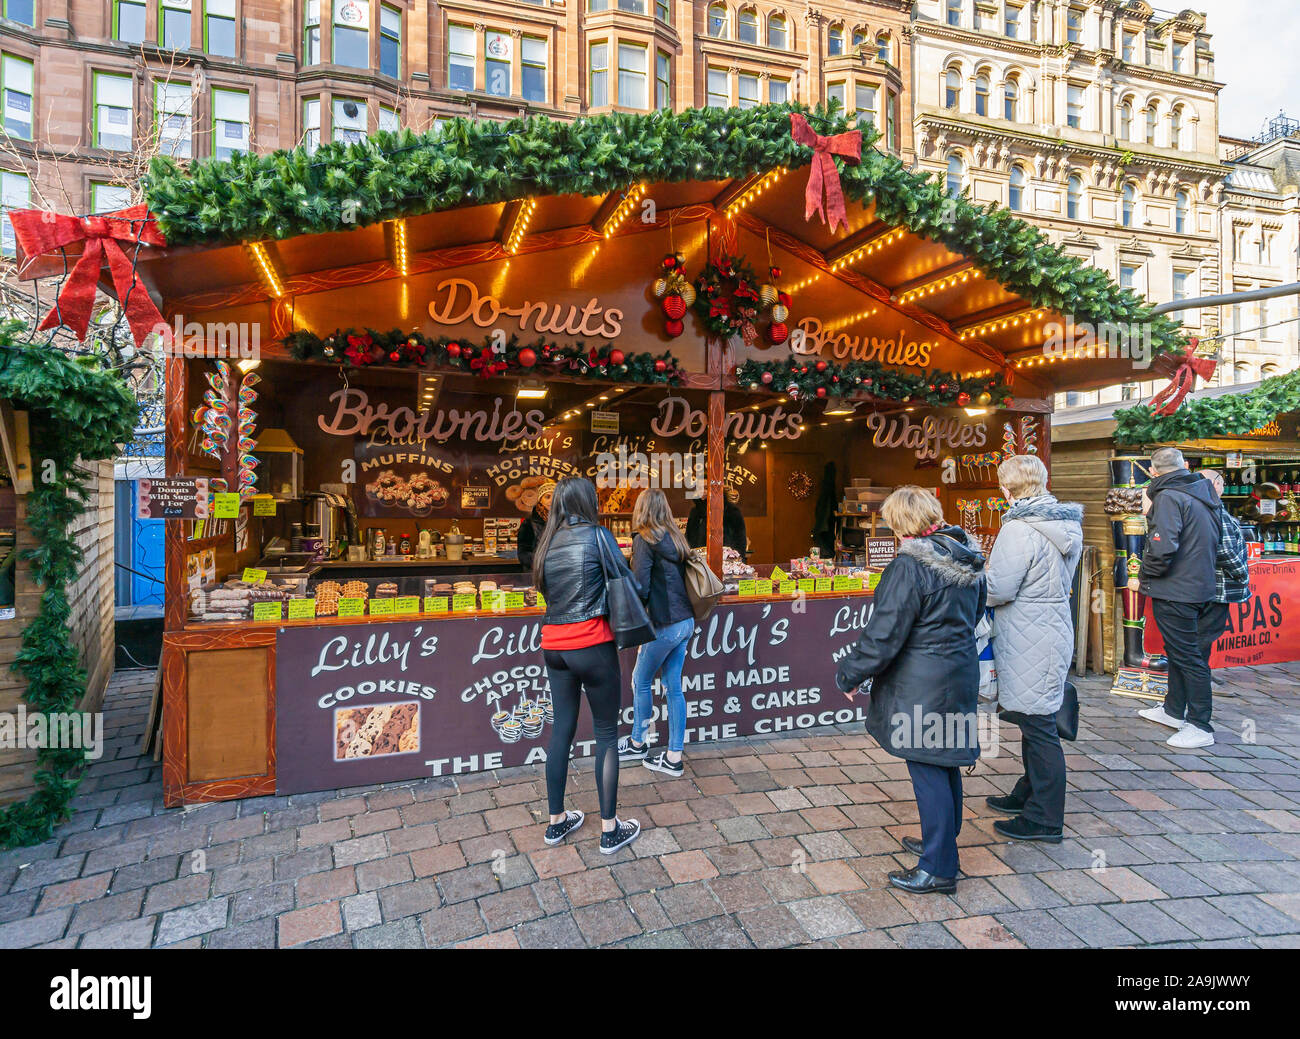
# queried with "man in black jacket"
point(733, 524)
point(1178, 575)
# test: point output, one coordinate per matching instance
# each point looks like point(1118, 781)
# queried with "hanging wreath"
point(800, 485)
point(730, 299)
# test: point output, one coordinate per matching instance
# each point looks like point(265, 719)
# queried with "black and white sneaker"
point(556, 832)
point(660, 763)
point(629, 751)
point(625, 831)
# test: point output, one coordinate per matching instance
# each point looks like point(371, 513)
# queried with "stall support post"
point(717, 476)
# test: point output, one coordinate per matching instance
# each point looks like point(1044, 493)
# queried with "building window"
point(1126, 121)
point(1180, 57)
point(1128, 42)
point(835, 92)
point(717, 21)
point(663, 11)
point(15, 193)
point(778, 36)
point(349, 119)
point(174, 114)
point(835, 40)
point(311, 34)
point(1073, 196)
point(747, 91)
point(1176, 127)
point(128, 21)
point(532, 52)
point(1181, 205)
point(112, 118)
point(462, 56)
point(633, 76)
point(951, 89)
point(1074, 26)
point(982, 95)
point(389, 119)
point(1151, 122)
point(219, 27)
point(599, 75)
point(882, 47)
point(864, 103)
point(1074, 107)
point(778, 91)
point(1016, 192)
point(891, 120)
point(1182, 285)
point(1011, 22)
point(859, 39)
point(956, 175)
point(174, 25)
point(351, 37)
point(24, 12)
point(719, 88)
point(390, 41)
point(1128, 205)
point(311, 124)
point(230, 122)
point(16, 77)
point(1128, 275)
point(747, 25)
point(954, 12)
point(1011, 100)
point(108, 198)
point(663, 81)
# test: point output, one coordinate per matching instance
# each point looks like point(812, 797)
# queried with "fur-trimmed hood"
point(1061, 522)
point(951, 553)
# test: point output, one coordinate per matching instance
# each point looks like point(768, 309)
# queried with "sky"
point(1255, 43)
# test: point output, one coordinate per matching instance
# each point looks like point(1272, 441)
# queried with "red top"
point(577, 636)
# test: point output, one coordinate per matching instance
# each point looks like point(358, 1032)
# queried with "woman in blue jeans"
point(659, 554)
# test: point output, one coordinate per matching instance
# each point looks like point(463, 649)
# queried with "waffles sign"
point(812, 337)
point(458, 300)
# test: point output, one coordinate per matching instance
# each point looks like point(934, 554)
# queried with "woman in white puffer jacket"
point(1030, 572)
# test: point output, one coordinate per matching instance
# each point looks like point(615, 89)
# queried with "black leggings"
point(572, 672)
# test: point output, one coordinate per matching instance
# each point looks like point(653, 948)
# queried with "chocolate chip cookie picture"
point(375, 731)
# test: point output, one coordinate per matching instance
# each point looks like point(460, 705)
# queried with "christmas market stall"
point(386, 352)
point(1249, 434)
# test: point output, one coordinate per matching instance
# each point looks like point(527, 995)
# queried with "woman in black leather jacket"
point(581, 657)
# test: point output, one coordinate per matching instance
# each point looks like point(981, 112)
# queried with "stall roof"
point(401, 202)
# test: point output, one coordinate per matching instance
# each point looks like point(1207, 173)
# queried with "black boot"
point(1007, 805)
point(1021, 829)
point(919, 882)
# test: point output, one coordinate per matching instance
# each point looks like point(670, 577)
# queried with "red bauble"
point(661, 365)
point(675, 307)
point(668, 262)
point(803, 370)
point(866, 382)
point(527, 357)
point(821, 391)
point(616, 357)
point(821, 366)
point(453, 349)
point(778, 333)
point(395, 356)
point(963, 399)
point(775, 272)
point(766, 377)
point(674, 328)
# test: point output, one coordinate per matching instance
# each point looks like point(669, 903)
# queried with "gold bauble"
point(984, 399)
point(688, 293)
point(659, 288)
point(768, 295)
point(780, 313)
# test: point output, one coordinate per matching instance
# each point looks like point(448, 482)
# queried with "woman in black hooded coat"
point(918, 650)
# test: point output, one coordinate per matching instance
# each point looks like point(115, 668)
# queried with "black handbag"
point(627, 614)
point(1067, 717)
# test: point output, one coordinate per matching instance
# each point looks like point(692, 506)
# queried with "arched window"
point(982, 94)
point(1182, 203)
point(859, 38)
point(835, 40)
point(1128, 205)
point(951, 89)
point(747, 25)
point(1176, 127)
point(717, 21)
point(956, 175)
point(778, 35)
point(1016, 194)
point(1150, 123)
point(882, 47)
point(1125, 129)
point(1073, 196)
point(1011, 99)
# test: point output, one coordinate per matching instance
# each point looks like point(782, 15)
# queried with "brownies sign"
point(385, 702)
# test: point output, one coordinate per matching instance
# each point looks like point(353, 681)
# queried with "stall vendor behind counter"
point(530, 531)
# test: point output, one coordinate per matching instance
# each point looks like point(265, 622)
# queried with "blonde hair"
point(911, 510)
point(653, 519)
point(1023, 476)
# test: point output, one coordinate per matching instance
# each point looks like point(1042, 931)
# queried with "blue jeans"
point(666, 653)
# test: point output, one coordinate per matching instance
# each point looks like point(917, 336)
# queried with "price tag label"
point(266, 611)
point(406, 604)
point(872, 581)
point(464, 603)
point(491, 599)
point(788, 587)
point(435, 604)
point(855, 584)
point(263, 506)
point(352, 607)
point(226, 505)
point(1268, 507)
point(541, 601)
point(807, 584)
point(840, 584)
point(778, 574)
point(253, 576)
point(380, 607)
point(515, 601)
point(300, 609)
point(763, 587)
point(824, 584)
point(746, 587)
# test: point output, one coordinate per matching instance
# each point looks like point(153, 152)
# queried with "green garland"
point(805, 377)
point(366, 348)
point(79, 413)
point(1208, 417)
point(388, 175)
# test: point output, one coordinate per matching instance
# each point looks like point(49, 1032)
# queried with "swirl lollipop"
point(997, 506)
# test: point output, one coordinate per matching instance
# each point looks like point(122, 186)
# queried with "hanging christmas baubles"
point(821, 391)
point(767, 295)
point(780, 313)
point(821, 366)
point(527, 357)
point(675, 307)
point(963, 399)
point(777, 333)
point(674, 328)
point(659, 287)
point(984, 399)
point(453, 349)
point(792, 391)
point(767, 378)
point(687, 292)
point(661, 365)
point(616, 357)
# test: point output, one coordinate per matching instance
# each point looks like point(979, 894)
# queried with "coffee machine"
point(335, 517)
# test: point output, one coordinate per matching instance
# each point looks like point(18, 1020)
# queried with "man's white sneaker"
point(1189, 737)
point(1161, 717)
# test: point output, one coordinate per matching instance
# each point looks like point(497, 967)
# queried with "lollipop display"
point(248, 462)
point(970, 511)
point(997, 506)
point(213, 417)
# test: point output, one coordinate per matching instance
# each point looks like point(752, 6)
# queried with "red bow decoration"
point(39, 232)
point(823, 177)
point(1166, 402)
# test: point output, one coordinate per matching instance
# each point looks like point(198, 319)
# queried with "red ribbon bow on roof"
point(39, 232)
point(1166, 402)
point(823, 177)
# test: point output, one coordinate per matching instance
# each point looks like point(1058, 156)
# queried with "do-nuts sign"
point(384, 702)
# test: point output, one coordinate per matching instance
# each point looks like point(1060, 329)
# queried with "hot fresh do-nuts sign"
point(381, 703)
